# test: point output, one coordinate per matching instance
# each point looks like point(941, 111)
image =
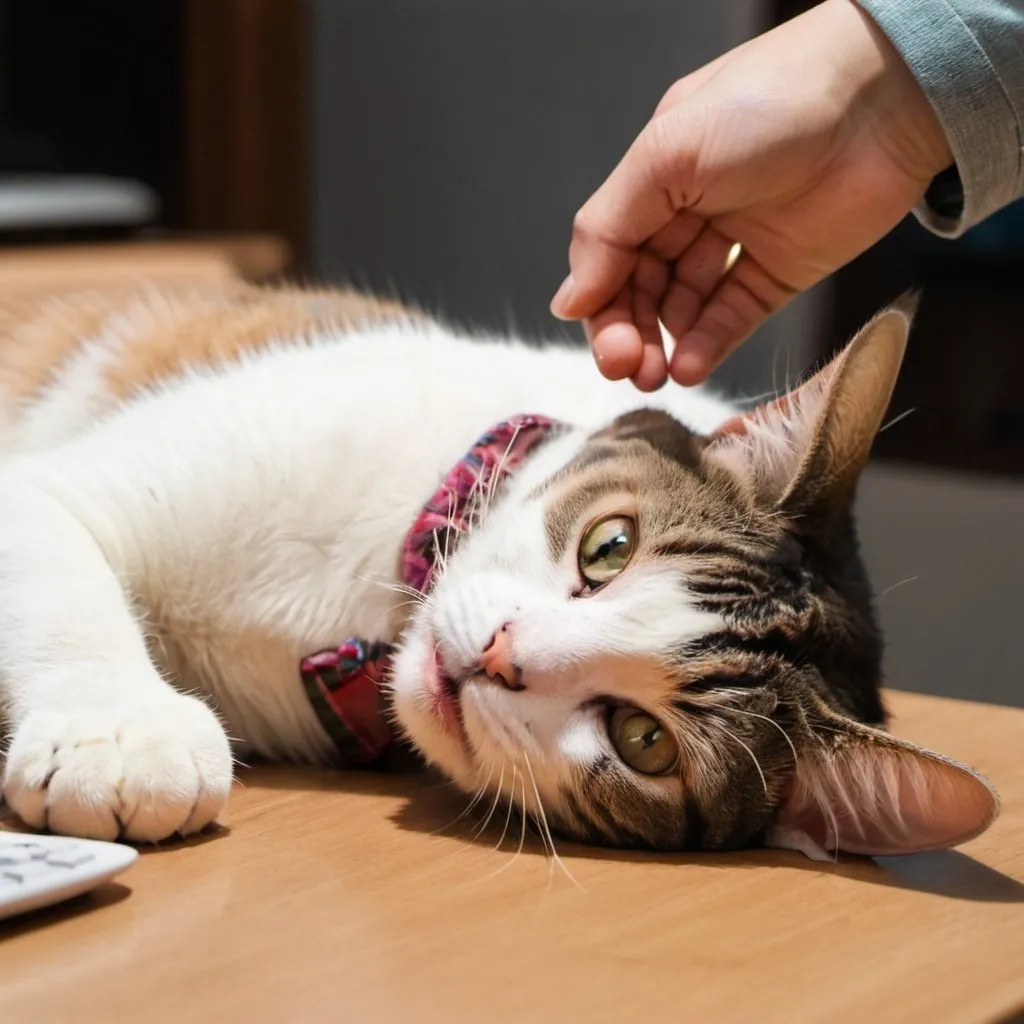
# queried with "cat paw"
point(141, 773)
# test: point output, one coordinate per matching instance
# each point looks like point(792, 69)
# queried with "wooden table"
point(337, 898)
point(166, 260)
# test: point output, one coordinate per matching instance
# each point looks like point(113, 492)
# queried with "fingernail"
point(562, 297)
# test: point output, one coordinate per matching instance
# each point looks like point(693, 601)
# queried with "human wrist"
point(884, 99)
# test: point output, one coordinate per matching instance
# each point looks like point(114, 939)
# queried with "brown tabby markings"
point(164, 332)
point(679, 518)
point(737, 560)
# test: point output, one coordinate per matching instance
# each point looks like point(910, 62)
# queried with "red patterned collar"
point(344, 683)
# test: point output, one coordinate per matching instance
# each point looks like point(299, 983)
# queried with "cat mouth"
point(444, 698)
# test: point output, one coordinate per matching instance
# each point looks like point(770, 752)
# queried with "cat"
point(647, 626)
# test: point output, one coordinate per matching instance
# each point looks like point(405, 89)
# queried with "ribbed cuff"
point(968, 57)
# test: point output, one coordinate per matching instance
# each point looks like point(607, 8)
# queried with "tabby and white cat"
point(658, 628)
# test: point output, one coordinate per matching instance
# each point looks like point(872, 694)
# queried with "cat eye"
point(606, 549)
point(642, 742)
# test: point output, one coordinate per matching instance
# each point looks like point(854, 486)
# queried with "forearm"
point(968, 57)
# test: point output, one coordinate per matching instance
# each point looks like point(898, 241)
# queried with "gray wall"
point(455, 139)
point(945, 553)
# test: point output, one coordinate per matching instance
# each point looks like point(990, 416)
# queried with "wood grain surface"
point(343, 898)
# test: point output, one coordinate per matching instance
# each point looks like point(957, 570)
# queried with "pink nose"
point(496, 661)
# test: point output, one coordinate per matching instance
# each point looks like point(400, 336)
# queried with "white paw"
point(142, 773)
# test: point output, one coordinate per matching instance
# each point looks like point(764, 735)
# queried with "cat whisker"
point(764, 396)
point(487, 495)
point(482, 791)
point(406, 604)
point(478, 486)
point(440, 567)
point(398, 588)
point(522, 830)
point(511, 805)
point(820, 727)
point(764, 718)
point(753, 757)
point(468, 809)
point(889, 590)
point(441, 553)
point(897, 419)
point(538, 819)
point(449, 527)
point(494, 805)
point(495, 478)
point(546, 829)
point(504, 458)
point(497, 475)
point(695, 745)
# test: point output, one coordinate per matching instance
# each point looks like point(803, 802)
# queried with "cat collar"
point(346, 684)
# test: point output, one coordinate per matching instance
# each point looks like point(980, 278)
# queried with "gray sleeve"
point(968, 56)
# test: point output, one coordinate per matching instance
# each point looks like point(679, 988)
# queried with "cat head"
point(664, 640)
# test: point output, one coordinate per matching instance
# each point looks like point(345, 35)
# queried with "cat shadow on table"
point(432, 806)
point(947, 873)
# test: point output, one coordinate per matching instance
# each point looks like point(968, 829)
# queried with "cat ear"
point(803, 453)
point(868, 793)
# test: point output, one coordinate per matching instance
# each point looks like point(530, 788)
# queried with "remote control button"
point(32, 869)
point(15, 855)
point(69, 858)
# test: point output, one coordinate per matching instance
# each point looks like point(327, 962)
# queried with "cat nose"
point(496, 661)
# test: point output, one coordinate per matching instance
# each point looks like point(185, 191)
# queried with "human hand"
point(804, 145)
